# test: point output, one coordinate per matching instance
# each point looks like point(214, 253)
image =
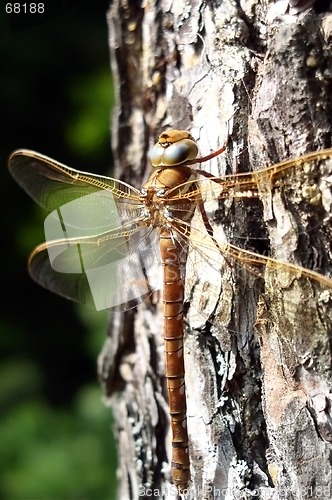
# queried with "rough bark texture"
point(258, 379)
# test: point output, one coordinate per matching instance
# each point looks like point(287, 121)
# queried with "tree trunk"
point(258, 375)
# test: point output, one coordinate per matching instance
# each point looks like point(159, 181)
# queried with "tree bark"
point(258, 376)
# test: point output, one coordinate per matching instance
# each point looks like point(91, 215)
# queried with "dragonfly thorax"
point(162, 206)
point(162, 193)
point(166, 179)
point(154, 206)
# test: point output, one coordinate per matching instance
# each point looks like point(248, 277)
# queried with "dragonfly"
point(102, 238)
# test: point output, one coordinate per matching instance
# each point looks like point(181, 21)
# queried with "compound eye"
point(155, 154)
point(171, 155)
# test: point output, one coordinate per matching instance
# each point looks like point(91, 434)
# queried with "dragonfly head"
point(174, 148)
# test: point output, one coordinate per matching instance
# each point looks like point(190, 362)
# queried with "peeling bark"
point(258, 378)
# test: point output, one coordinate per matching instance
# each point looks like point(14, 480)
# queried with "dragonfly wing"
point(213, 263)
point(114, 272)
point(208, 273)
point(97, 248)
point(214, 270)
point(74, 286)
point(52, 184)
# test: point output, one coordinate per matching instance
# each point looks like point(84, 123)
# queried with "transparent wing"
point(121, 269)
point(254, 184)
point(211, 256)
point(52, 184)
point(97, 249)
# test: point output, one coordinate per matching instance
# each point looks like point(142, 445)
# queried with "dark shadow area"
point(56, 96)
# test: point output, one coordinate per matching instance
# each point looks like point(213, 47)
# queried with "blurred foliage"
point(58, 454)
point(56, 97)
point(91, 99)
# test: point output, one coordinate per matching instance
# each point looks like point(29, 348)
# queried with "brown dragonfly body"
point(168, 202)
point(162, 182)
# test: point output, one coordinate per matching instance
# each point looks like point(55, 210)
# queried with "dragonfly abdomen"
point(173, 341)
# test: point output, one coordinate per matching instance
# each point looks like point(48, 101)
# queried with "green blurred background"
point(56, 98)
